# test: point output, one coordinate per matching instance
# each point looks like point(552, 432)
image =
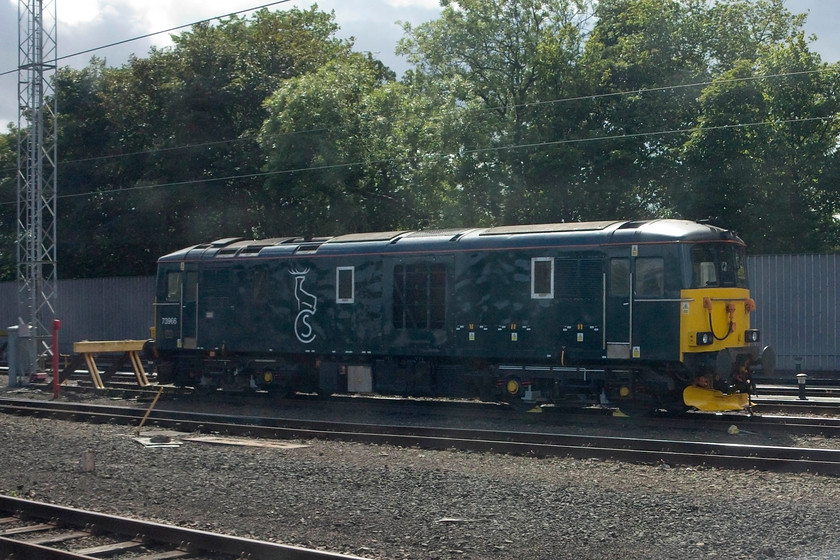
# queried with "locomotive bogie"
point(601, 312)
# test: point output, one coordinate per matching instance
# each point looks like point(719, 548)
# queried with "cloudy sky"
point(88, 24)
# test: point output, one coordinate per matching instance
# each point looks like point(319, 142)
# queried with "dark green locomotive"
point(600, 311)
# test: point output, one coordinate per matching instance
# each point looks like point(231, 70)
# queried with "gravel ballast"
point(390, 502)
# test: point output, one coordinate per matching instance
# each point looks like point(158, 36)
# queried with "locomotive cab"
point(717, 342)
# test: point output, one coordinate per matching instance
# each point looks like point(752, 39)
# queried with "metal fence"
point(93, 309)
point(798, 298)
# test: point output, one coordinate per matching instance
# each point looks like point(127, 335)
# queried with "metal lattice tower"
point(36, 179)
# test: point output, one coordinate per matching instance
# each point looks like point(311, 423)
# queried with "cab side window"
point(650, 277)
point(620, 277)
point(173, 286)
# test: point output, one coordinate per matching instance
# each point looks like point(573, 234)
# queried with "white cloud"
point(425, 4)
point(78, 12)
point(90, 24)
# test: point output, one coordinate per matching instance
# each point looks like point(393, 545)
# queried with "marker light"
point(703, 338)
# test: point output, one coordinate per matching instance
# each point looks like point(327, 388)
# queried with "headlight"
point(702, 339)
point(751, 335)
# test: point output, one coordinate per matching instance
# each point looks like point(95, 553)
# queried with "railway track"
point(39, 531)
point(639, 450)
point(775, 395)
point(815, 405)
point(775, 399)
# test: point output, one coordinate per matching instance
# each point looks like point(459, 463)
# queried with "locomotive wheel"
point(276, 385)
point(513, 387)
point(513, 394)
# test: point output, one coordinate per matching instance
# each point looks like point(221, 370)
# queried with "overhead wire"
point(147, 35)
point(623, 136)
point(205, 181)
point(490, 108)
point(594, 96)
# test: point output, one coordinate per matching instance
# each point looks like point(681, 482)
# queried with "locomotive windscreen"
point(719, 264)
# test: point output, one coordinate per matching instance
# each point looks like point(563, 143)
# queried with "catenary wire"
point(528, 104)
point(147, 35)
point(205, 181)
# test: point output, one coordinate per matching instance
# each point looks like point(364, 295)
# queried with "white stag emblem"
point(307, 305)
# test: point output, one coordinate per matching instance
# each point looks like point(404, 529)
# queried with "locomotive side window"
point(173, 286)
point(191, 293)
point(419, 296)
point(344, 285)
point(650, 277)
point(620, 277)
point(542, 278)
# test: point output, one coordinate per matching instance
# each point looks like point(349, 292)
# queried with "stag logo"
point(307, 305)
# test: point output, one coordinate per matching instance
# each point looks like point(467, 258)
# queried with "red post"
point(55, 326)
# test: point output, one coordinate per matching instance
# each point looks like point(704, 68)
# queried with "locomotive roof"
point(515, 236)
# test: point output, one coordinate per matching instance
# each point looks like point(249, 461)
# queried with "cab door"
point(618, 308)
point(189, 307)
point(170, 285)
point(176, 306)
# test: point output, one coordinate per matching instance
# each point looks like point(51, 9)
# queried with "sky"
point(89, 24)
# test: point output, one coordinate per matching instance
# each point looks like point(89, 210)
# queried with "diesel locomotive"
point(644, 313)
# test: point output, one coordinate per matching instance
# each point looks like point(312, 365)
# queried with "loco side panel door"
point(416, 296)
point(176, 306)
point(656, 304)
point(168, 307)
point(189, 307)
point(618, 308)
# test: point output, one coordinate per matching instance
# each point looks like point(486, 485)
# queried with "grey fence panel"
point(798, 309)
point(94, 309)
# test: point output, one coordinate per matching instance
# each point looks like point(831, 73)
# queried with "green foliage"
point(8, 208)
point(349, 149)
point(173, 137)
point(498, 61)
point(762, 149)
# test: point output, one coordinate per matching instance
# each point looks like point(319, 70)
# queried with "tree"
point(515, 111)
point(767, 135)
point(8, 208)
point(174, 137)
point(641, 57)
point(332, 147)
point(498, 61)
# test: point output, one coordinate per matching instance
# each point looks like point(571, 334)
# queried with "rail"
point(35, 530)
